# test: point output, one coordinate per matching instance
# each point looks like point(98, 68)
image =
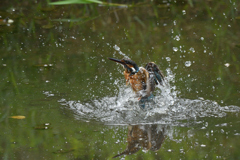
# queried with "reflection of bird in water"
point(142, 80)
point(145, 137)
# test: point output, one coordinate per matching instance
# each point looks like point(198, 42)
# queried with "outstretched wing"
point(158, 75)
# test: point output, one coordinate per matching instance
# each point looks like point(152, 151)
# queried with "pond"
point(62, 98)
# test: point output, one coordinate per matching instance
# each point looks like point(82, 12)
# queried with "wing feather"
point(158, 75)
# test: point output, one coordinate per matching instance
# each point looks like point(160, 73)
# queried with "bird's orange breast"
point(136, 81)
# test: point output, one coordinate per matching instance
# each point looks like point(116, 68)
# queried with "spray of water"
point(120, 52)
point(123, 108)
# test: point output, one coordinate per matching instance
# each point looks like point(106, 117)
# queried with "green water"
point(51, 69)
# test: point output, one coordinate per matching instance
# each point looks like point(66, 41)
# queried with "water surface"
point(61, 98)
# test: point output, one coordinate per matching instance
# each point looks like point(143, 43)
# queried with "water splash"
point(120, 52)
point(123, 107)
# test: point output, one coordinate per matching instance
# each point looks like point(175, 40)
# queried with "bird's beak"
point(117, 60)
point(121, 62)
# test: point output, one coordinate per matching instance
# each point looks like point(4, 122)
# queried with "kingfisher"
point(142, 79)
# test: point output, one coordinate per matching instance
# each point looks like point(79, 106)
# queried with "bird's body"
point(137, 81)
point(142, 80)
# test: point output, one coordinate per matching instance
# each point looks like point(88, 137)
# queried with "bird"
point(142, 80)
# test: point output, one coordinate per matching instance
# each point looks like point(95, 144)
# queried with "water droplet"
point(192, 49)
point(174, 22)
point(116, 47)
point(203, 145)
point(188, 63)
point(177, 38)
point(184, 12)
point(73, 37)
point(175, 49)
point(168, 59)
point(227, 64)
point(222, 130)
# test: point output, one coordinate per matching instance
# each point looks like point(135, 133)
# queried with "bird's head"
point(128, 64)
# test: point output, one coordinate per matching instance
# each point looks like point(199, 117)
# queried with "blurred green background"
point(51, 54)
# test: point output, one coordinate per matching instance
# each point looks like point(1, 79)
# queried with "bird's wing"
point(158, 75)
